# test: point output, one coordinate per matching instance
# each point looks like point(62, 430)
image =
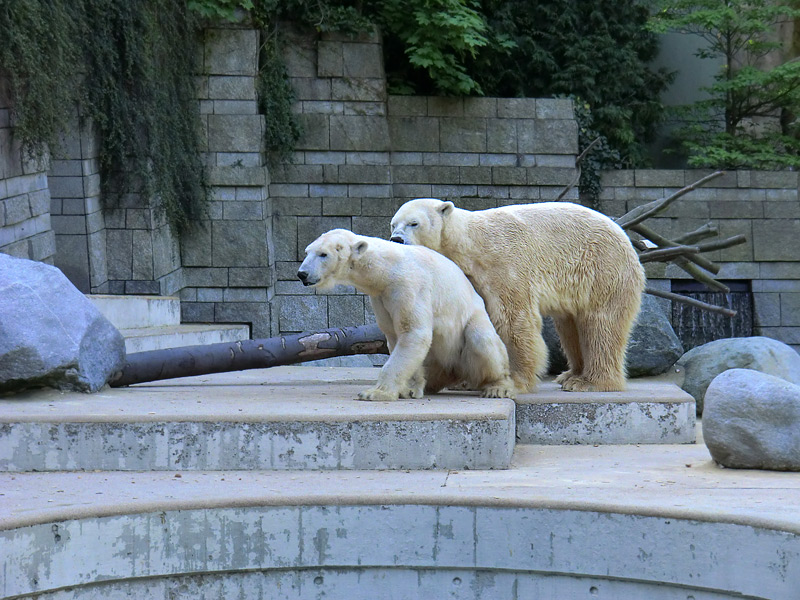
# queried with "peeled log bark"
point(250, 354)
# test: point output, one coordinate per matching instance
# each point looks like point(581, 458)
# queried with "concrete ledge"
point(300, 421)
point(650, 411)
point(127, 312)
point(143, 339)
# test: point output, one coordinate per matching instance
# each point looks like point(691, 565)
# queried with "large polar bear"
point(435, 323)
point(552, 258)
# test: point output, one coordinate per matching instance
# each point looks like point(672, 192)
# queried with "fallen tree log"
point(290, 349)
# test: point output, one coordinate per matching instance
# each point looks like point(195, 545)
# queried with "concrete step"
point(132, 312)
point(306, 418)
point(173, 336)
point(281, 418)
point(650, 411)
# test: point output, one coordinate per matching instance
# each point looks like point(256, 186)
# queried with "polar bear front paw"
point(412, 393)
point(498, 391)
point(377, 394)
point(564, 377)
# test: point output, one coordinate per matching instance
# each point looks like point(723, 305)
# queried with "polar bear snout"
point(398, 238)
point(303, 276)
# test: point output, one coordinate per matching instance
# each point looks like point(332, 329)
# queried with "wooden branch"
point(665, 254)
point(578, 161)
point(651, 209)
point(706, 231)
point(692, 301)
point(660, 240)
point(722, 244)
point(250, 354)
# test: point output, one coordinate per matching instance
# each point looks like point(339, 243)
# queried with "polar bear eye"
point(413, 224)
point(323, 255)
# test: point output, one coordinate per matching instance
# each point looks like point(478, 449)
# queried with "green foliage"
point(749, 117)
point(601, 157)
point(219, 9)
point(598, 51)
point(430, 44)
point(129, 65)
point(40, 55)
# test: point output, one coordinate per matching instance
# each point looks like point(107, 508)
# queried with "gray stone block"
point(243, 211)
point(369, 191)
point(310, 228)
point(767, 309)
point(622, 178)
point(285, 237)
point(245, 295)
point(16, 209)
point(497, 160)
point(550, 176)
point(462, 135)
point(451, 159)
point(365, 173)
point(411, 190)
point(302, 313)
point(166, 252)
point(307, 88)
point(296, 206)
point(554, 108)
point(235, 133)
point(231, 52)
point(293, 287)
point(516, 108)
point(197, 312)
point(372, 226)
point(39, 300)
point(443, 106)
point(341, 206)
point(556, 137)
point(414, 134)
point(659, 178)
point(355, 92)
point(142, 264)
point(239, 244)
point(776, 240)
point(43, 246)
point(120, 253)
point(379, 207)
point(423, 174)
point(722, 209)
point(321, 107)
point(362, 60)
point(205, 277)
point(209, 294)
point(143, 287)
point(73, 260)
point(480, 107)
point(239, 159)
point(451, 192)
point(237, 176)
point(407, 106)
point(774, 179)
point(289, 173)
point(315, 132)
point(338, 190)
point(509, 176)
point(474, 175)
point(329, 59)
point(365, 133)
point(231, 88)
point(501, 135)
point(345, 311)
point(235, 107)
point(250, 277)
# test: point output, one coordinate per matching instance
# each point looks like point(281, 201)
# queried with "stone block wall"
point(25, 224)
point(763, 206)
point(227, 258)
point(363, 153)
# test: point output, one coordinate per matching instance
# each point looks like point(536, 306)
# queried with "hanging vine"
point(129, 65)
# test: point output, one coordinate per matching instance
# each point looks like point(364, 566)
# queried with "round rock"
point(752, 421)
point(702, 364)
point(50, 333)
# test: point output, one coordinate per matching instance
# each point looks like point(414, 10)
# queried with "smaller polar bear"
point(436, 325)
point(531, 260)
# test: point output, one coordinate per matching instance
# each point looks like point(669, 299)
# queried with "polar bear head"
point(420, 222)
point(327, 258)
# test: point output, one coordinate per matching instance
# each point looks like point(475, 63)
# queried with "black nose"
point(398, 239)
point(302, 275)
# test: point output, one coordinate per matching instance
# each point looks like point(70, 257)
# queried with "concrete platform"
point(282, 418)
point(650, 411)
point(577, 522)
point(307, 418)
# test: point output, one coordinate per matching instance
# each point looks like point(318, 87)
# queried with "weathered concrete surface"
point(650, 411)
point(266, 421)
point(565, 522)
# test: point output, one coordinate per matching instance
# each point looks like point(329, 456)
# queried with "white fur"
point(435, 323)
point(552, 258)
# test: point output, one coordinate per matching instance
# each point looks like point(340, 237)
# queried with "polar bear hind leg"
point(571, 344)
point(603, 340)
point(484, 359)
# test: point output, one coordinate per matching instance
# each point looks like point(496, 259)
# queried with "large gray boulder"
point(702, 364)
point(752, 421)
point(652, 349)
point(50, 334)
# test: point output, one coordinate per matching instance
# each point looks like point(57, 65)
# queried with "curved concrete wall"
point(397, 551)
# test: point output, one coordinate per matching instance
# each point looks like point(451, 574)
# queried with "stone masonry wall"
point(25, 226)
point(762, 205)
point(364, 153)
point(227, 258)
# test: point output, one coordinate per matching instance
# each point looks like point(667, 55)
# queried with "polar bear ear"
point(446, 208)
point(359, 247)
